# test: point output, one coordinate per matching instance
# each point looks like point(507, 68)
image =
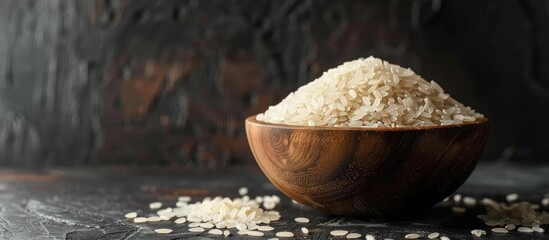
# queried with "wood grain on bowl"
point(367, 172)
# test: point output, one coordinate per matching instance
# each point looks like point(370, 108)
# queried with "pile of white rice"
point(369, 93)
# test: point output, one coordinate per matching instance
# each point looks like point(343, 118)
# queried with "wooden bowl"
point(375, 172)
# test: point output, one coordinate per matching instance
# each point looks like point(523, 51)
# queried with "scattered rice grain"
point(184, 199)
point(215, 232)
point(140, 220)
point(255, 233)
point(500, 230)
point(469, 201)
point(478, 232)
point(155, 205)
point(196, 229)
point(180, 220)
point(243, 191)
point(433, 235)
point(510, 227)
point(206, 225)
point(525, 230)
point(194, 224)
point(512, 197)
point(284, 234)
point(131, 215)
point(353, 235)
point(545, 202)
point(265, 228)
point(412, 236)
point(163, 230)
point(339, 233)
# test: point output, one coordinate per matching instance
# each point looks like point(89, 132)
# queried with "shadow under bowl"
point(367, 172)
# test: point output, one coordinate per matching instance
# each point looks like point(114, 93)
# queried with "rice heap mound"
point(369, 93)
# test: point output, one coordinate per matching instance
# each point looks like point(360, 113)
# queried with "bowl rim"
point(252, 120)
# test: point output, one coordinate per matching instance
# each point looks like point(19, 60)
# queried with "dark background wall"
point(170, 82)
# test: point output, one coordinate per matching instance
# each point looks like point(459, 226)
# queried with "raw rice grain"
point(131, 215)
point(433, 235)
point(301, 220)
point(339, 233)
point(163, 230)
point(353, 235)
point(284, 234)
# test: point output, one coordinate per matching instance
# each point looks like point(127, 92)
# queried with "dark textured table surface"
point(91, 203)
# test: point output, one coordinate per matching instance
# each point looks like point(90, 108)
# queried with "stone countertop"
point(91, 203)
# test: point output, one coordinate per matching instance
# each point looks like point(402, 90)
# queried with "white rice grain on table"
point(184, 199)
point(265, 228)
point(433, 235)
point(163, 230)
point(512, 197)
point(538, 229)
point(196, 229)
point(353, 235)
point(215, 232)
point(444, 238)
point(412, 236)
point(545, 202)
point(339, 233)
point(500, 230)
point(164, 211)
point(525, 230)
point(194, 224)
point(510, 227)
point(243, 191)
point(167, 216)
point(155, 205)
point(478, 232)
point(131, 215)
point(255, 234)
point(206, 225)
point(301, 220)
point(284, 234)
point(370, 237)
point(469, 201)
point(140, 220)
point(304, 230)
point(180, 220)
